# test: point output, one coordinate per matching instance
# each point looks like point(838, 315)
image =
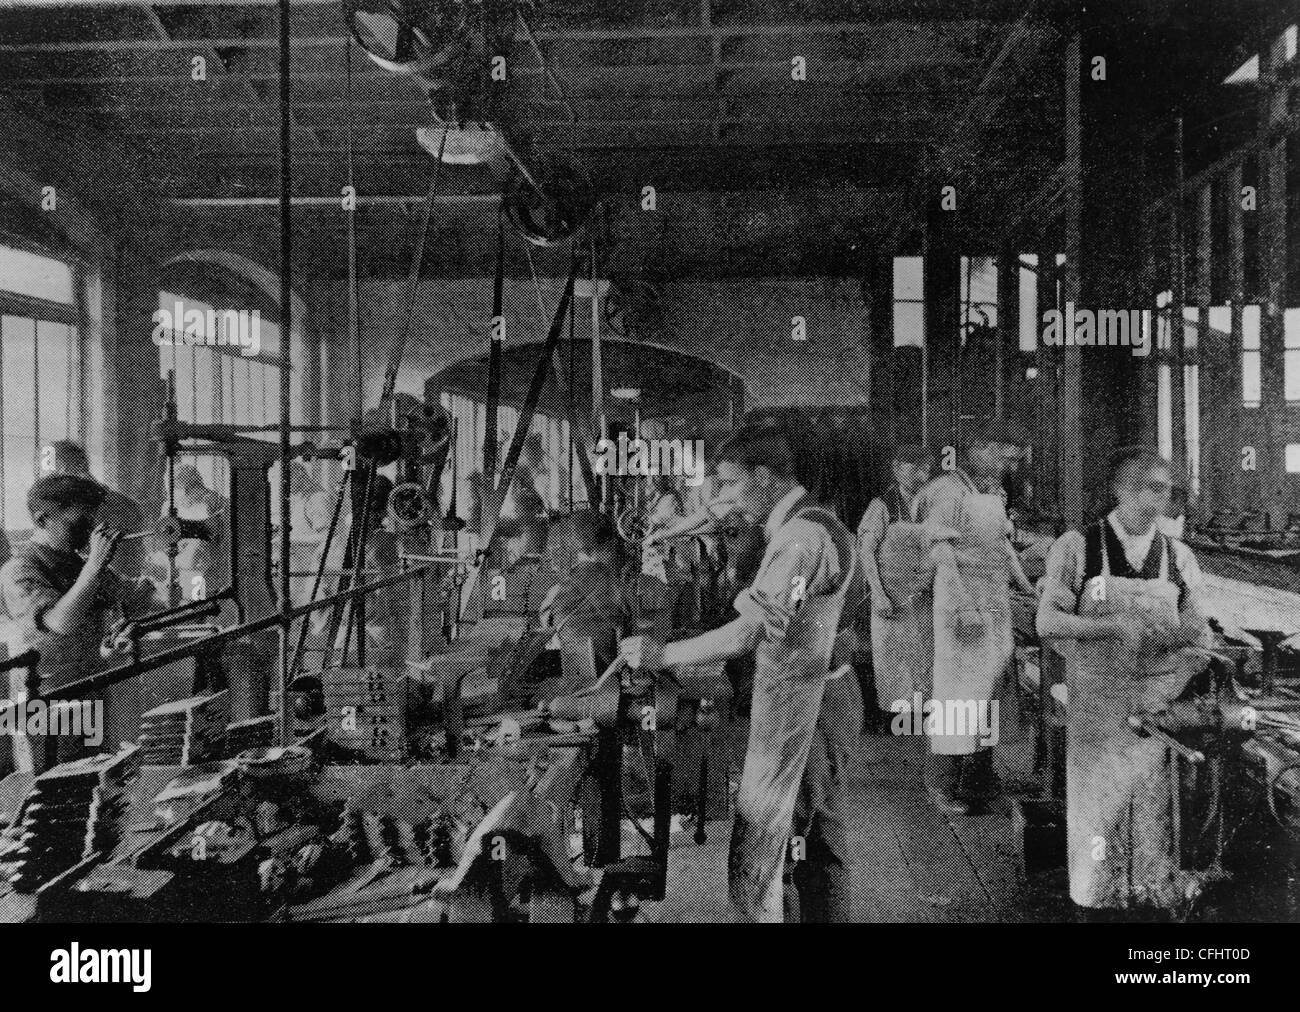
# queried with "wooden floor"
point(910, 863)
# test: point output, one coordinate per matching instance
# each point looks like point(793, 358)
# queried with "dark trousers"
point(817, 888)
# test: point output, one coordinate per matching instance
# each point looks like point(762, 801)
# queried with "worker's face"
point(1142, 494)
point(740, 491)
point(911, 476)
point(992, 461)
point(71, 526)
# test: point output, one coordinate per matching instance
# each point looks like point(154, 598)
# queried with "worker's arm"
point(941, 506)
point(1193, 628)
point(735, 639)
point(67, 613)
point(1018, 570)
point(699, 519)
point(871, 532)
point(791, 572)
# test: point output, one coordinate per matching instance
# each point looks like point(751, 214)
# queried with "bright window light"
point(36, 276)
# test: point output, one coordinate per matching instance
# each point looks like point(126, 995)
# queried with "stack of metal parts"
point(72, 813)
point(434, 842)
point(366, 710)
point(247, 734)
point(185, 732)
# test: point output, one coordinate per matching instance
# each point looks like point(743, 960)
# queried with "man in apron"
point(975, 564)
point(802, 721)
point(1124, 601)
point(900, 573)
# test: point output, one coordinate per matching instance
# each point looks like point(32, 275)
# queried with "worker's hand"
point(642, 652)
point(882, 606)
point(1134, 632)
point(103, 542)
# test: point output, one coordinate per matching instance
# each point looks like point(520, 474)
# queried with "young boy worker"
point(802, 721)
point(53, 600)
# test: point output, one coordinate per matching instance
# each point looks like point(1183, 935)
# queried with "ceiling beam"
point(898, 31)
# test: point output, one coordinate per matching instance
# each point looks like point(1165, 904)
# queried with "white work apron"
point(973, 639)
point(789, 684)
point(902, 647)
point(1119, 796)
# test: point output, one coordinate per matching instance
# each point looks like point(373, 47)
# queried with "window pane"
point(982, 290)
point(1293, 458)
point(1250, 328)
point(40, 277)
point(1192, 409)
point(1291, 374)
point(1247, 72)
point(56, 382)
point(907, 278)
point(1029, 302)
point(1250, 379)
point(1220, 323)
point(1191, 327)
point(1164, 411)
point(18, 389)
point(909, 325)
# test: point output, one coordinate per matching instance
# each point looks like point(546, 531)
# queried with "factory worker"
point(900, 573)
point(204, 564)
point(804, 716)
point(595, 598)
point(54, 600)
point(118, 511)
point(659, 558)
point(1124, 602)
point(975, 562)
point(524, 515)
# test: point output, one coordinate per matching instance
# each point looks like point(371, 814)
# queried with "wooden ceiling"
point(695, 97)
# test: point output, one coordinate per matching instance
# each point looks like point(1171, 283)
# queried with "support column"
point(1070, 404)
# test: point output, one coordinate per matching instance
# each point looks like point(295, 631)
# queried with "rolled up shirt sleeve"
point(871, 529)
point(1192, 604)
point(795, 568)
point(1061, 578)
point(28, 595)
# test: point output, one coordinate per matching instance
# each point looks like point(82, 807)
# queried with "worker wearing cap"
point(1123, 601)
point(120, 512)
point(804, 716)
point(975, 564)
point(57, 602)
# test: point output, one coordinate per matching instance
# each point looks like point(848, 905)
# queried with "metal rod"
point(284, 729)
point(320, 572)
point(112, 676)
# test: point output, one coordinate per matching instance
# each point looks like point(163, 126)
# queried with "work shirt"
point(884, 510)
point(940, 501)
point(594, 600)
point(1136, 546)
point(32, 582)
point(1065, 575)
point(800, 561)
